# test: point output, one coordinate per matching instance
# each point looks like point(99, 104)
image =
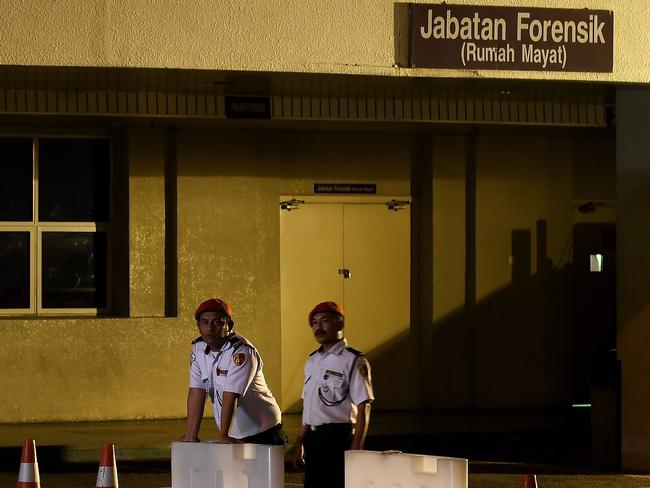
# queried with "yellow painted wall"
point(228, 244)
point(146, 150)
point(447, 333)
point(520, 181)
point(528, 346)
point(517, 346)
point(229, 187)
point(107, 368)
point(449, 153)
point(99, 369)
point(334, 36)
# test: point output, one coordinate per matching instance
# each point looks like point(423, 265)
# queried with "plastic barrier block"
point(222, 465)
point(369, 469)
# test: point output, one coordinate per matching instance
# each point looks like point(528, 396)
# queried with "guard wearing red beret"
point(336, 401)
point(228, 368)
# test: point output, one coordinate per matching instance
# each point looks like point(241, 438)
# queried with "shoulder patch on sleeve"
point(198, 339)
point(238, 358)
point(363, 368)
point(354, 351)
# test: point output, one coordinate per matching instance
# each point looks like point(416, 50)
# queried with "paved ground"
point(496, 436)
point(501, 446)
point(160, 480)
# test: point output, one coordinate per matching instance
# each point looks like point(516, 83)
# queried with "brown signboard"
point(510, 38)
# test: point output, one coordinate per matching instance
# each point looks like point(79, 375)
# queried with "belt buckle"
point(312, 428)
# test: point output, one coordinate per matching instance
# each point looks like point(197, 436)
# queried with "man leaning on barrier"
point(228, 368)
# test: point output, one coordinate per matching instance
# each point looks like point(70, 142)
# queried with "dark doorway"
point(594, 320)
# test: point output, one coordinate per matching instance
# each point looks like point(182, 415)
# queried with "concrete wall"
point(227, 215)
point(446, 333)
point(107, 368)
point(334, 36)
point(505, 330)
point(496, 335)
point(524, 325)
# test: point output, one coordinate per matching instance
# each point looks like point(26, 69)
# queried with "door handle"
point(345, 272)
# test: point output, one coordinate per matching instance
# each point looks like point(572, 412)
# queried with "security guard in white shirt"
point(336, 401)
point(227, 367)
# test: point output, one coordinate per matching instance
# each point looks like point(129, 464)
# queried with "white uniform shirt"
point(336, 381)
point(237, 368)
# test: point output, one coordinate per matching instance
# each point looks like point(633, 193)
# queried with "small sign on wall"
point(338, 188)
point(240, 107)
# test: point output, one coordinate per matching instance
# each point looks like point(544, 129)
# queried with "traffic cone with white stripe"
point(107, 474)
point(530, 481)
point(28, 475)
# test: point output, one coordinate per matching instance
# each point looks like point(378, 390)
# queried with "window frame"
point(20, 227)
point(36, 228)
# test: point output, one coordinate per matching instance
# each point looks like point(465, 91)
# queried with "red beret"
point(330, 307)
point(213, 305)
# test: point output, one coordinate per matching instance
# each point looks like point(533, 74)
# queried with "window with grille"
point(54, 224)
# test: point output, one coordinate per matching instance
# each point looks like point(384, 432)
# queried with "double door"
point(356, 253)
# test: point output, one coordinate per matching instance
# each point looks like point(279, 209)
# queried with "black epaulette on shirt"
point(200, 339)
point(317, 350)
point(354, 351)
point(235, 342)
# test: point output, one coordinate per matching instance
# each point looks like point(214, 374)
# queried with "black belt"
point(329, 427)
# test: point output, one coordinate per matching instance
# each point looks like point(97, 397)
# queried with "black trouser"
point(325, 455)
point(274, 436)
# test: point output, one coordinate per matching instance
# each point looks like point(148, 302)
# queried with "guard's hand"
point(190, 439)
point(230, 440)
point(297, 458)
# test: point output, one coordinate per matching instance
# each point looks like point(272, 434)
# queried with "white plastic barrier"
point(221, 465)
point(369, 469)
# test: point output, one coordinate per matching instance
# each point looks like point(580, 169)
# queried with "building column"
point(633, 265)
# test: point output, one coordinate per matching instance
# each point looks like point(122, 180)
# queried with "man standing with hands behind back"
point(336, 401)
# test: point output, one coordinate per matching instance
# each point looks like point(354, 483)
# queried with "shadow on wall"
point(514, 349)
point(532, 344)
point(541, 344)
point(509, 350)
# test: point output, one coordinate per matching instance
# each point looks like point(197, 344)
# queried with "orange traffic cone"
point(28, 475)
point(107, 474)
point(530, 481)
